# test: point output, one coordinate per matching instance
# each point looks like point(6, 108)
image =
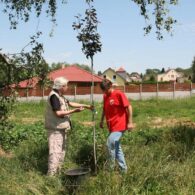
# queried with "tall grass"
point(159, 152)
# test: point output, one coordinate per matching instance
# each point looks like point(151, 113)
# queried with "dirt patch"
point(30, 120)
point(27, 120)
point(158, 122)
point(5, 154)
point(188, 123)
point(89, 124)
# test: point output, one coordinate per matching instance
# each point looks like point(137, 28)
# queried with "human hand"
point(130, 126)
point(91, 107)
point(78, 109)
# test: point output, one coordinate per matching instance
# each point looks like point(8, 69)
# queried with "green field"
point(160, 152)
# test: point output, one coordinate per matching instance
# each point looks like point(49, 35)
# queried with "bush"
point(11, 138)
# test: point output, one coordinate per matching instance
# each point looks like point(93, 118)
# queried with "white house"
point(169, 75)
point(135, 77)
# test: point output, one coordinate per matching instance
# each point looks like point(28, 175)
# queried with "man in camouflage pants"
point(57, 122)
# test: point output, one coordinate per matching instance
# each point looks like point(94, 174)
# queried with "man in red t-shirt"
point(118, 113)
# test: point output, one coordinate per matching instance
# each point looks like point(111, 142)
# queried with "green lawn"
point(159, 152)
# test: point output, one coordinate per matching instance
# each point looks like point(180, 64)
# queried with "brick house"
point(79, 79)
point(76, 76)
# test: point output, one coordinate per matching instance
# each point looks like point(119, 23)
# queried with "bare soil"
point(158, 122)
point(5, 154)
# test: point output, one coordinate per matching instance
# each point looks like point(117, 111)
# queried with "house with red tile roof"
point(30, 83)
point(74, 74)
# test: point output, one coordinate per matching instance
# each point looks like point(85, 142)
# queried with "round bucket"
point(75, 177)
point(77, 172)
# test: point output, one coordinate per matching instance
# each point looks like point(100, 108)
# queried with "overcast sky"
point(122, 37)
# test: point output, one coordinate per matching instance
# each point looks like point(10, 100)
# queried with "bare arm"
point(62, 113)
point(77, 105)
point(130, 120)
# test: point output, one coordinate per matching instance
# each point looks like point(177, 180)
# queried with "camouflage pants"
point(57, 143)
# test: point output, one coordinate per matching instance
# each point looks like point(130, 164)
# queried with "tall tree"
point(58, 65)
point(152, 78)
point(11, 68)
point(193, 70)
point(163, 70)
point(42, 70)
point(84, 67)
point(91, 44)
point(152, 71)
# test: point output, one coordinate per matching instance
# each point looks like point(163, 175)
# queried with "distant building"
point(135, 77)
point(122, 72)
point(74, 74)
point(169, 75)
point(114, 77)
point(120, 76)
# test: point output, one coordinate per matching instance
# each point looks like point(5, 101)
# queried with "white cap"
point(59, 82)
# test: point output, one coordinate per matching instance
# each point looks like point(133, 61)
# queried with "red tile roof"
point(31, 82)
point(27, 83)
point(121, 69)
point(72, 73)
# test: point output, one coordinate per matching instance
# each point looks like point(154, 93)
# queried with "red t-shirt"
point(115, 105)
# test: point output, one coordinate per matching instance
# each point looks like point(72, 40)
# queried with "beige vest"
point(52, 121)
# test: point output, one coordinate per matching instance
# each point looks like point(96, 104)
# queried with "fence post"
point(75, 92)
point(43, 91)
point(91, 94)
point(157, 90)
point(174, 90)
point(140, 91)
point(27, 92)
point(191, 89)
point(124, 89)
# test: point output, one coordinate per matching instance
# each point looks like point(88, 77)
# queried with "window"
point(114, 78)
point(104, 76)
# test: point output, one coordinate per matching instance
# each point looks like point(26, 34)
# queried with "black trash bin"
point(75, 177)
